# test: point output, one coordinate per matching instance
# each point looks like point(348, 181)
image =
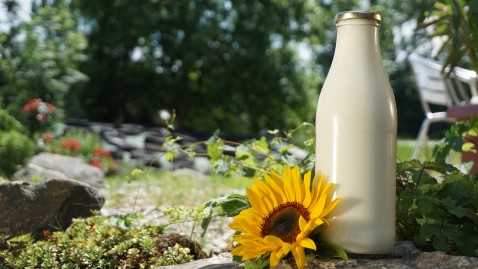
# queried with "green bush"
point(8, 122)
point(15, 149)
point(436, 207)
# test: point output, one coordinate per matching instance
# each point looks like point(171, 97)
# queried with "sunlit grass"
point(167, 188)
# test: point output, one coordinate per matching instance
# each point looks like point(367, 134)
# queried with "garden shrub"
point(15, 149)
point(437, 207)
point(8, 122)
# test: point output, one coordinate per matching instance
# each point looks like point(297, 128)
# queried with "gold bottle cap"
point(347, 15)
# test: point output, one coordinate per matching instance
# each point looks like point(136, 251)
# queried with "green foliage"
point(175, 255)
point(254, 156)
point(39, 56)
point(95, 242)
point(179, 214)
point(15, 149)
point(9, 123)
point(457, 139)
point(455, 21)
point(436, 207)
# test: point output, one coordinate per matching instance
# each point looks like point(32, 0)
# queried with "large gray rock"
point(51, 204)
point(49, 165)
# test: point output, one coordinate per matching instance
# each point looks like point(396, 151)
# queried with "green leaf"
point(261, 145)
point(425, 204)
point(468, 147)
point(170, 156)
point(327, 250)
point(458, 211)
point(468, 244)
point(234, 204)
point(26, 238)
point(214, 150)
point(205, 223)
point(440, 235)
point(257, 263)
point(273, 132)
point(285, 148)
point(231, 205)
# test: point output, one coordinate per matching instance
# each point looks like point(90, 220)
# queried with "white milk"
point(356, 128)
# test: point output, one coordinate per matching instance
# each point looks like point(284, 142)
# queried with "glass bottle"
point(356, 129)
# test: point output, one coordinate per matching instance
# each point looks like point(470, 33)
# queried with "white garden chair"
point(453, 92)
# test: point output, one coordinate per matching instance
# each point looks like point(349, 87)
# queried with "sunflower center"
point(283, 221)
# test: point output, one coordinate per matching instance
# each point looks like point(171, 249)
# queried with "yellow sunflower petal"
point(273, 241)
point(308, 243)
point(267, 191)
point(256, 202)
point(299, 256)
point(317, 184)
point(245, 227)
point(251, 214)
point(278, 188)
point(288, 185)
point(307, 195)
point(297, 185)
point(330, 207)
point(317, 209)
point(275, 259)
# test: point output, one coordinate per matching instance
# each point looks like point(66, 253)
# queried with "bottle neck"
point(357, 40)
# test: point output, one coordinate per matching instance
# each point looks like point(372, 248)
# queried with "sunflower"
point(284, 211)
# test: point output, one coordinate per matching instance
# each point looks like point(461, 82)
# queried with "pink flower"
point(41, 117)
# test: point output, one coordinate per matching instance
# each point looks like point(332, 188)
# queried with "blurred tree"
point(225, 64)
point(39, 55)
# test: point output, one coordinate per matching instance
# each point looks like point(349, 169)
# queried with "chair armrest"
point(462, 112)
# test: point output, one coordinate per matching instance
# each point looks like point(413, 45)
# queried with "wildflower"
point(96, 163)
point(101, 152)
point(71, 144)
point(47, 137)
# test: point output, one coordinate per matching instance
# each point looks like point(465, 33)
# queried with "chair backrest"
point(438, 88)
point(430, 82)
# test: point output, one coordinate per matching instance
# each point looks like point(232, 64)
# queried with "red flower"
point(71, 144)
point(31, 105)
point(47, 137)
point(101, 152)
point(96, 162)
point(46, 234)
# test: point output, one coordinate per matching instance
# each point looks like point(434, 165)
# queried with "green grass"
point(170, 188)
point(405, 149)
